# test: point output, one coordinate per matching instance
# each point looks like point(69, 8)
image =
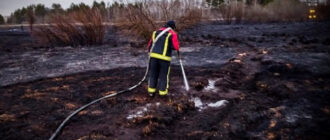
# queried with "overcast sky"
point(9, 6)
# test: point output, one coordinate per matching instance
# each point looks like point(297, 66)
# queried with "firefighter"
point(160, 58)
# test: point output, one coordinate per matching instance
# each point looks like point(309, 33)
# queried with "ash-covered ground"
point(260, 81)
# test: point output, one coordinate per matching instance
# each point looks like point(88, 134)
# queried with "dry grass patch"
point(276, 11)
point(70, 106)
point(79, 28)
point(143, 17)
point(34, 94)
point(53, 89)
point(7, 117)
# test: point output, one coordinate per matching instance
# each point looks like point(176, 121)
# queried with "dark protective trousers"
point(159, 70)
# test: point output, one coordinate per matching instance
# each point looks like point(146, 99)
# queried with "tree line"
point(217, 3)
point(39, 13)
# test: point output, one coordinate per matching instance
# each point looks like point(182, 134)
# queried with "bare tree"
point(30, 16)
point(2, 20)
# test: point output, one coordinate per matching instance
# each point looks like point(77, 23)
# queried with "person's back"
point(160, 57)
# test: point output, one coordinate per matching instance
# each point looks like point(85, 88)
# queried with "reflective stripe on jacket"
point(164, 46)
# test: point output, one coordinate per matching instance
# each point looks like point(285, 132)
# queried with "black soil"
point(271, 94)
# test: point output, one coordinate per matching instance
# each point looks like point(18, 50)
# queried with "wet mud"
point(260, 90)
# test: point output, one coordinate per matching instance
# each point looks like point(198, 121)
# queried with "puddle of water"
point(201, 106)
point(198, 103)
point(141, 111)
point(218, 103)
point(137, 114)
point(293, 117)
point(211, 85)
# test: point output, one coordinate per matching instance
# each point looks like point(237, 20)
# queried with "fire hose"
point(59, 128)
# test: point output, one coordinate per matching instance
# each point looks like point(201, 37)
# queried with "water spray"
point(186, 84)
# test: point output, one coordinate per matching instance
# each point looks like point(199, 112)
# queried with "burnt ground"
point(274, 86)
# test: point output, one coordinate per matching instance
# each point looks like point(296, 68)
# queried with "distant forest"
point(41, 13)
